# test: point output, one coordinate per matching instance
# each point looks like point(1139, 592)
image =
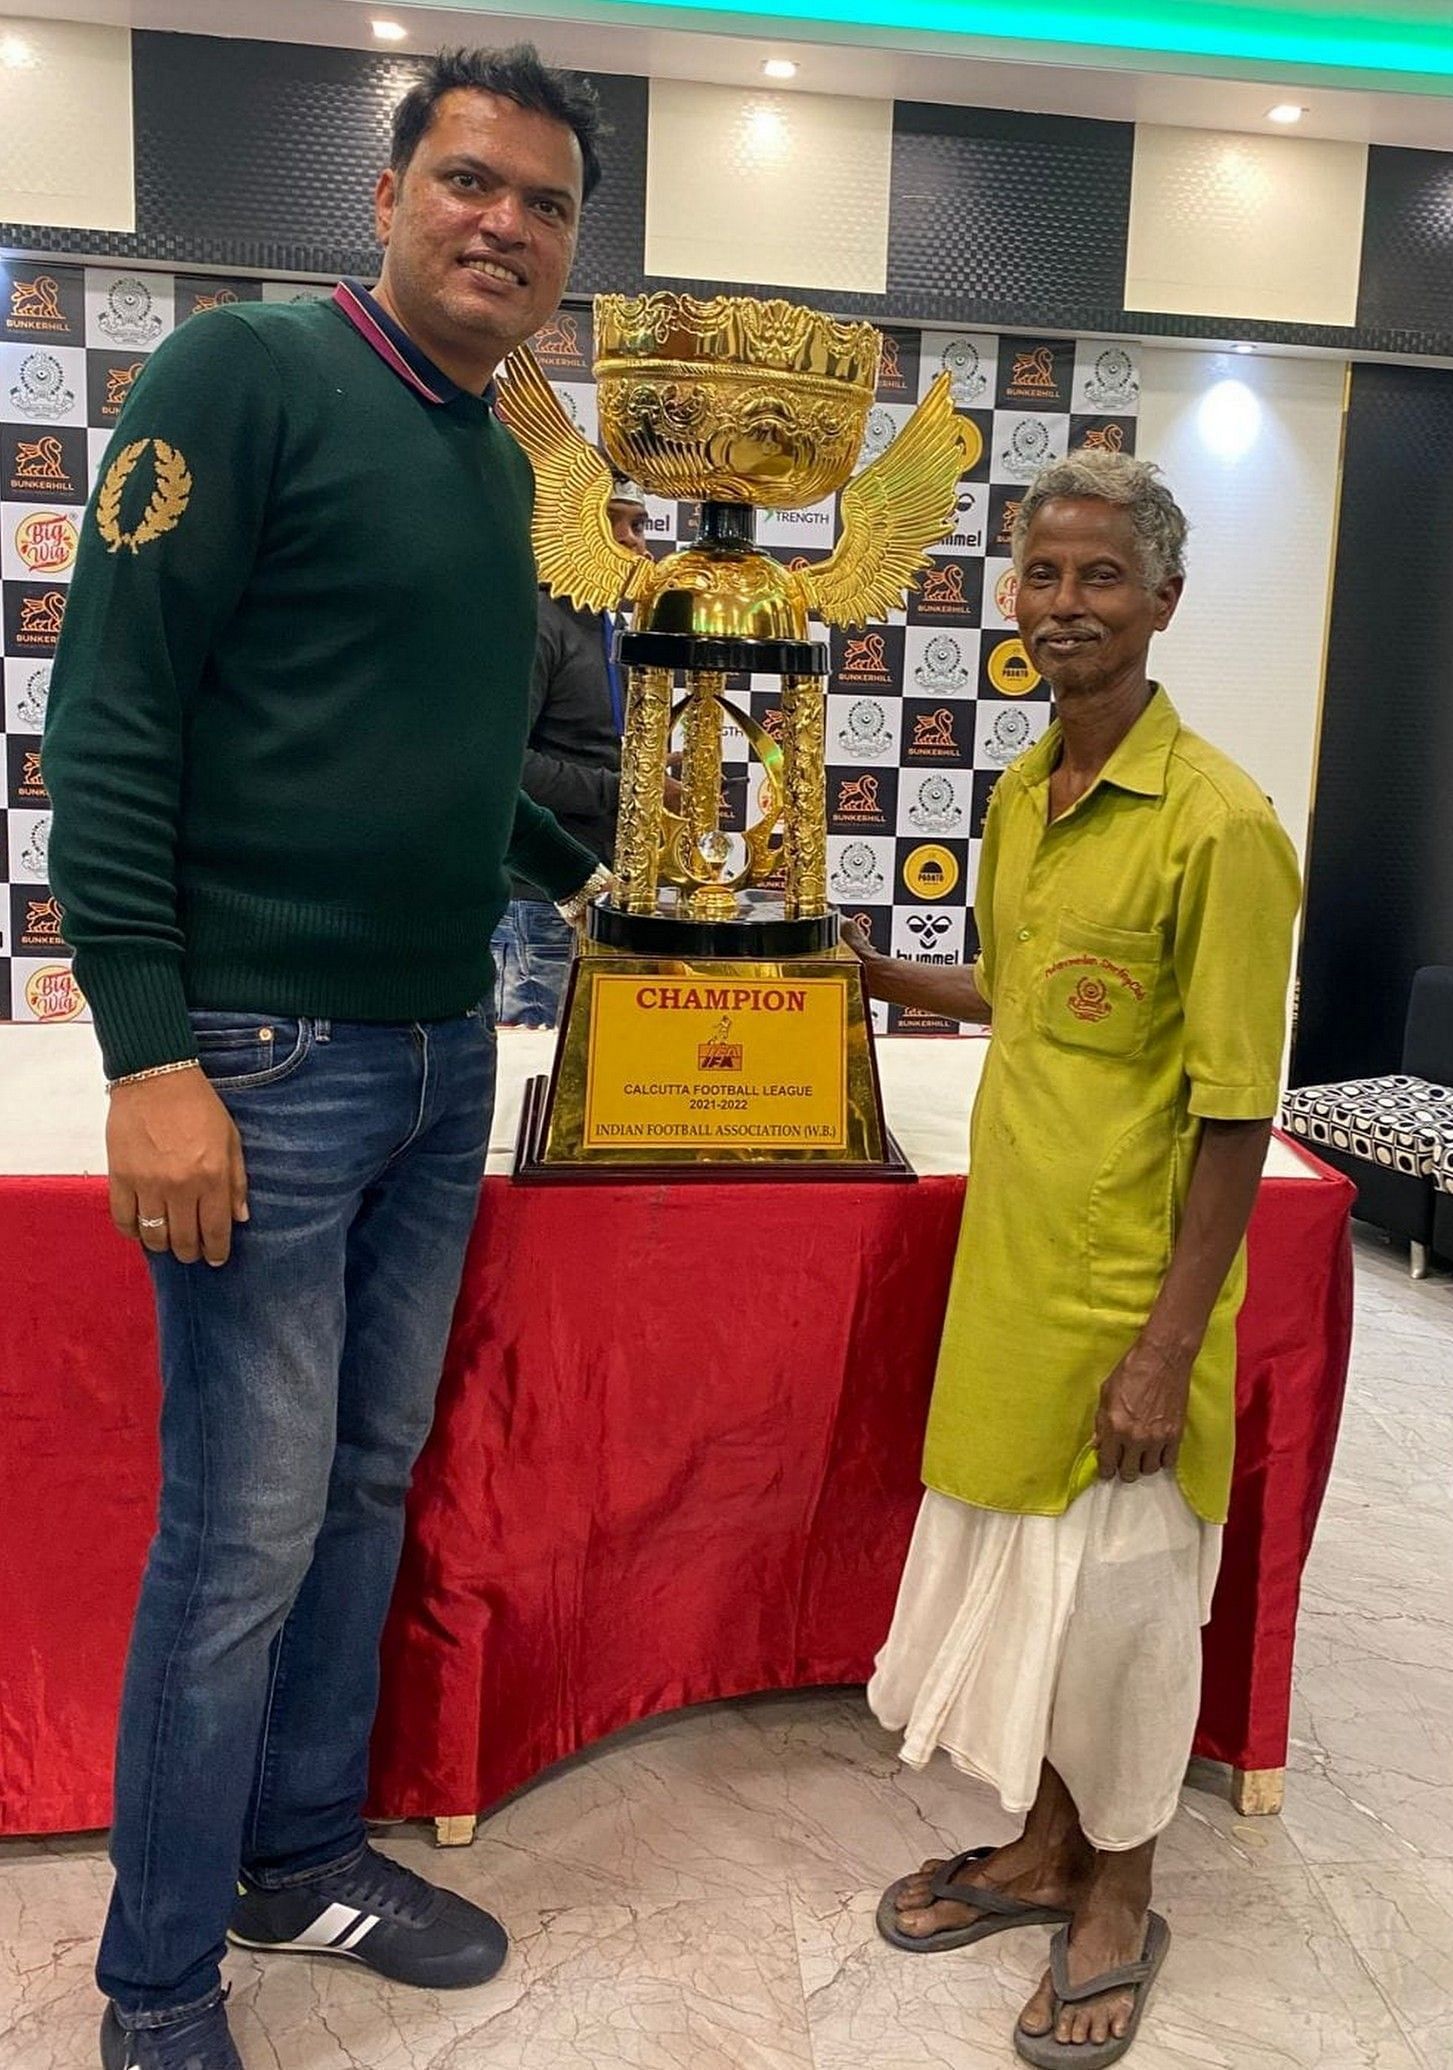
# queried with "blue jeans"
point(531, 949)
point(298, 1388)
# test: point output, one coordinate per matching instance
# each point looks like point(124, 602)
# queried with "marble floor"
point(699, 1894)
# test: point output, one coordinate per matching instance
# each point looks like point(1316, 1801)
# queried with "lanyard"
point(612, 673)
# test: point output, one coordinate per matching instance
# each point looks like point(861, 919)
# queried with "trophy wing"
point(574, 550)
point(892, 513)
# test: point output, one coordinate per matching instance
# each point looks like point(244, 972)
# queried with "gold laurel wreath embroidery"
point(169, 498)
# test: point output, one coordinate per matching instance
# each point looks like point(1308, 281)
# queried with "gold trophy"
point(714, 1024)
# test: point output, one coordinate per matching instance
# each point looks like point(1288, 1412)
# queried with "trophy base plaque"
point(735, 1049)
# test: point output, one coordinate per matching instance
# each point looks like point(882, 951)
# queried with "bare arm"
point(950, 993)
point(1142, 1408)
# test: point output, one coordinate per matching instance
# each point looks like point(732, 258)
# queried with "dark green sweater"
point(290, 703)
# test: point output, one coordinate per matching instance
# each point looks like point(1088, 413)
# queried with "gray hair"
point(1135, 485)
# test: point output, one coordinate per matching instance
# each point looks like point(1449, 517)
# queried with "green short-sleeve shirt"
point(1137, 955)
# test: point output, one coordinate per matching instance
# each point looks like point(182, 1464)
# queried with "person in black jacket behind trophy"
point(572, 766)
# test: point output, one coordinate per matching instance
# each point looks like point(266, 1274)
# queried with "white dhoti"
point(1073, 1639)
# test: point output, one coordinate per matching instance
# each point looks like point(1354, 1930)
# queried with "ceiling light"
point(1229, 419)
point(1243, 348)
point(1285, 111)
point(15, 52)
point(779, 68)
point(390, 32)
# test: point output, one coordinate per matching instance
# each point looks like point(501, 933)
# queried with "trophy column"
point(701, 782)
point(804, 840)
point(643, 779)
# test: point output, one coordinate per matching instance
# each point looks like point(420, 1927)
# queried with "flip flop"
point(1048, 2054)
point(1000, 1910)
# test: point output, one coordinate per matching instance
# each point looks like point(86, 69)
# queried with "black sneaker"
point(380, 1914)
point(203, 2043)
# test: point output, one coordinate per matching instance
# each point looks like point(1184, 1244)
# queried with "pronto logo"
point(1011, 671)
point(931, 871)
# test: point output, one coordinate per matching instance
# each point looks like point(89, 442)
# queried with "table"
point(675, 1457)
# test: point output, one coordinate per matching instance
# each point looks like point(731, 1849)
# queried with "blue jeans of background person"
point(531, 947)
point(298, 1388)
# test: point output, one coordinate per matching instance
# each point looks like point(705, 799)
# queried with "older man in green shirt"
point(1135, 906)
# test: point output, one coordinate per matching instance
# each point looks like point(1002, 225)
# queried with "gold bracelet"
point(156, 1071)
point(572, 909)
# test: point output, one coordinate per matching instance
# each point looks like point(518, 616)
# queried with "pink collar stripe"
point(363, 320)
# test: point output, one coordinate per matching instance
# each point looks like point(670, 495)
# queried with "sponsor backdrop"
point(923, 713)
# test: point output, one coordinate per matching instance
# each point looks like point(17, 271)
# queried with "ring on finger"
point(151, 1221)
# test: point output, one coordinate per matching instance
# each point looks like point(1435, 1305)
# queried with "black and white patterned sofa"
point(1393, 1136)
point(1443, 1203)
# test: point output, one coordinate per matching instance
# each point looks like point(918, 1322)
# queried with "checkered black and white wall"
point(923, 713)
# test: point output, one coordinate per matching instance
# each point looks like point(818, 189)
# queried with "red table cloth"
point(676, 1458)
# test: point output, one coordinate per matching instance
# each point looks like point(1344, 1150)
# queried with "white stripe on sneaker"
point(331, 1924)
point(370, 1921)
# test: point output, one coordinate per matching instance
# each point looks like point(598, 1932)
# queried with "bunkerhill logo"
point(721, 999)
point(942, 588)
point(865, 656)
point(37, 304)
point(558, 344)
point(41, 463)
point(119, 383)
point(40, 617)
point(1033, 378)
point(1105, 438)
point(933, 733)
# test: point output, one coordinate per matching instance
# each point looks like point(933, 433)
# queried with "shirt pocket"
point(1096, 990)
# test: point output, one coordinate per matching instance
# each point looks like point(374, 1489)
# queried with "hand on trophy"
point(855, 937)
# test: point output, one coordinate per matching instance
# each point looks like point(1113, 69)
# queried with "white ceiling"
point(1090, 87)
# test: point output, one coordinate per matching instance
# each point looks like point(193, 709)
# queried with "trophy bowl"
point(730, 400)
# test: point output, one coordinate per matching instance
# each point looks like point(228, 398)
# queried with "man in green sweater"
point(285, 742)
